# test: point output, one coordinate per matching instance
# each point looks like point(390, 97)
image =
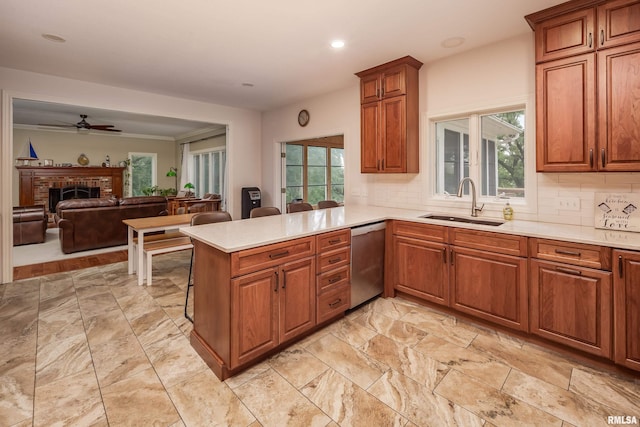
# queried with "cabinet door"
point(370, 136)
point(626, 308)
point(297, 298)
point(618, 23)
point(567, 35)
point(421, 269)
point(565, 115)
point(394, 135)
point(572, 305)
point(370, 88)
point(619, 97)
point(490, 286)
point(394, 82)
point(254, 315)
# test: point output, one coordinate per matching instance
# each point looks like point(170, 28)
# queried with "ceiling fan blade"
point(107, 130)
point(56, 126)
point(101, 126)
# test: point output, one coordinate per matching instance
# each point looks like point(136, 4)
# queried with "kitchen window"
point(314, 170)
point(208, 171)
point(488, 147)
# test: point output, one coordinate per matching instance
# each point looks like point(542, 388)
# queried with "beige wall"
point(65, 147)
point(493, 76)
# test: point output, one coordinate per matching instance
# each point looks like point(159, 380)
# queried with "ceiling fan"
point(83, 124)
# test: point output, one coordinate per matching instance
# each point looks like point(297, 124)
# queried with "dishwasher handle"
point(367, 228)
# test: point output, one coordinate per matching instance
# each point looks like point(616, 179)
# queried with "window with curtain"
point(142, 173)
point(314, 170)
point(207, 171)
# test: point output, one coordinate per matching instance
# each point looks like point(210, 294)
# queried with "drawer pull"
point(334, 241)
point(564, 252)
point(335, 303)
point(335, 279)
point(334, 260)
point(569, 271)
point(278, 255)
point(620, 265)
point(444, 255)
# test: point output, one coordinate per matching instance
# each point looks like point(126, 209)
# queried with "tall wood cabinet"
point(389, 117)
point(626, 295)
point(587, 85)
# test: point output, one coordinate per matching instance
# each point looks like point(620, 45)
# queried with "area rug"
point(50, 250)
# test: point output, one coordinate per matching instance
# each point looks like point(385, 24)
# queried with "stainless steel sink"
point(451, 218)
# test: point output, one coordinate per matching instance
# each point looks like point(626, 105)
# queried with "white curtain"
point(184, 172)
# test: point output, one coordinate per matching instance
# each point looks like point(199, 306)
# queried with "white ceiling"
point(207, 49)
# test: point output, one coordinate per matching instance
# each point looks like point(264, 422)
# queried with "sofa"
point(97, 223)
point(29, 224)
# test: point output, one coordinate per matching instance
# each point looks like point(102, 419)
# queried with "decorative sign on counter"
point(617, 211)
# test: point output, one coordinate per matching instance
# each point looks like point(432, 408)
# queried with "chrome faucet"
point(474, 208)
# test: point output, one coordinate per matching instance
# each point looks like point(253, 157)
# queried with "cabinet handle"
point(378, 93)
point(569, 271)
point(334, 241)
point(590, 39)
point(278, 255)
point(451, 257)
point(382, 95)
point(335, 279)
point(590, 157)
point(564, 252)
point(284, 279)
point(377, 164)
point(444, 255)
point(277, 280)
point(335, 303)
point(601, 37)
point(620, 264)
point(334, 260)
point(602, 158)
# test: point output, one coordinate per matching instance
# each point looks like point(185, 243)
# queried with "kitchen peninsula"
point(257, 289)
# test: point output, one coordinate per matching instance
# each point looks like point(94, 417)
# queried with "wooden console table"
point(30, 175)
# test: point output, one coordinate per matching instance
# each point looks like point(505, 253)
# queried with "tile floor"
point(90, 347)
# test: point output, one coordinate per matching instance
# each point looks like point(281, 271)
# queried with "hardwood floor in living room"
point(77, 263)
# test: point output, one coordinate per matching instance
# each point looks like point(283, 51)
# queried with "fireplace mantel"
point(32, 177)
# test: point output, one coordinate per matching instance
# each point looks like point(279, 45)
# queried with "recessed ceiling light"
point(53, 38)
point(337, 44)
point(452, 42)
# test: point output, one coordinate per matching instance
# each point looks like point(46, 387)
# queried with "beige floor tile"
point(419, 404)
point(204, 400)
point(247, 375)
point(154, 326)
point(487, 402)
point(391, 307)
point(351, 331)
point(350, 362)
point(106, 326)
point(174, 360)
point(93, 302)
point(275, 402)
point(118, 359)
point(397, 330)
point(407, 361)
point(542, 364)
point(140, 400)
point(297, 366)
point(72, 400)
point(444, 326)
point(17, 374)
point(559, 402)
point(347, 404)
point(59, 356)
point(477, 364)
point(612, 391)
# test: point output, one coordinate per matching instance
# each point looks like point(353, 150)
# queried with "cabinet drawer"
point(333, 239)
point(434, 233)
point(333, 279)
point(333, 259)
point(571, 253)
point(507, 244)
point(333, 303)
point(247, 261)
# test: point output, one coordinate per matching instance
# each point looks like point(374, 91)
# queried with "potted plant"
point(173, 171)
point(190, 189)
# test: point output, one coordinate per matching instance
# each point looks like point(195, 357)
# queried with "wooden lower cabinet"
point(626, 296)
point(490, 286)
point(270, 307)
point(421, 269)
point(571, 305)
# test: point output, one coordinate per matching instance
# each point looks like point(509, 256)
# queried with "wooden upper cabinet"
point(389, 117)
point(618, 23)
point(566, 35)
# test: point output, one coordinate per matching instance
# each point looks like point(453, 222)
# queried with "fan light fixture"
point(53, 38)
point(337, 44)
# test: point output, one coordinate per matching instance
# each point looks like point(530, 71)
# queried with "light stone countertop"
point(250, 233)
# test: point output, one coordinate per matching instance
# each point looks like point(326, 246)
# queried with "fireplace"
point(57, 194)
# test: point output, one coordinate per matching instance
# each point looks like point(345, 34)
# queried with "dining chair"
point(264, 211)
point(199, 219)
point(299, 207)
point(324, 204)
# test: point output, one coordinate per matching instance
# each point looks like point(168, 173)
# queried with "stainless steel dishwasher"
point(367, 262)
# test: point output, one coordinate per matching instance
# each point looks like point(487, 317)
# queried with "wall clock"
point(303, 117)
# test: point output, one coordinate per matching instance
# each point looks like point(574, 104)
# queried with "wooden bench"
point(154, 238)
point(162, 246)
